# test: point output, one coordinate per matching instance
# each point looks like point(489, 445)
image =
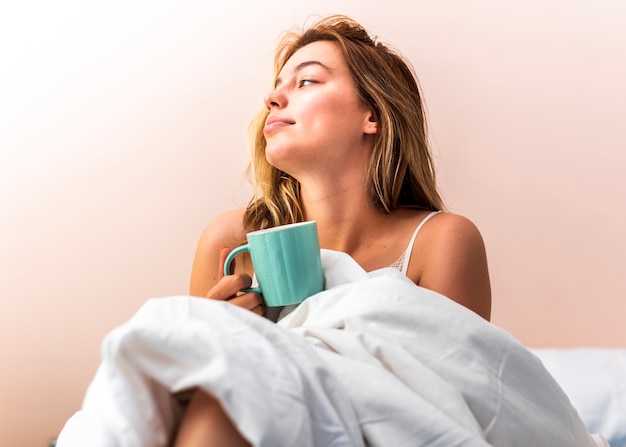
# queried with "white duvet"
point(372, 361)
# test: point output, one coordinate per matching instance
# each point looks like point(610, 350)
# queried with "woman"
point(342, 141)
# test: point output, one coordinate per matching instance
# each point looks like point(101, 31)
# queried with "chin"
point(276, 155)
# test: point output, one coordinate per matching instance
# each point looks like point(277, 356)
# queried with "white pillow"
point(595, 381)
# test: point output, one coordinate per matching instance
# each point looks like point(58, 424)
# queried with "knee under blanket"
point(374, 360)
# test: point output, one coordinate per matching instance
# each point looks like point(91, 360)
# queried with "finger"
point(228, 287)
point(249, 300)
point(224, 251)
point(259, 310)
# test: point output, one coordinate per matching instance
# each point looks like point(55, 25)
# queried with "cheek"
point(331, 117)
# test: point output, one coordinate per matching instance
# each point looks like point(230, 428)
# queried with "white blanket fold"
point(373, 360)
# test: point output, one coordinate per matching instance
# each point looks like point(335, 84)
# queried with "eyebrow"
point(300, 67)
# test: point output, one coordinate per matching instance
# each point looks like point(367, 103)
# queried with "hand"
point(228, 288)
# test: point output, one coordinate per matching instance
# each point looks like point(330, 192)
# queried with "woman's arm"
point(450, 258)
point(219, 237)
point(225, 231)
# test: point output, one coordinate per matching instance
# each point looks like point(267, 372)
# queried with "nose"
point(275, 99)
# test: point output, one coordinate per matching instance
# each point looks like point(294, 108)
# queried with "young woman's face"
point(316, 120)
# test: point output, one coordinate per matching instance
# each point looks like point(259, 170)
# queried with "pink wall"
point(122, 133)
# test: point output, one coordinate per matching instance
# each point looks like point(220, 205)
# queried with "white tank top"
point(402, 263)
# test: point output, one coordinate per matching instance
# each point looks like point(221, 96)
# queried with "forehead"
point(325, 52)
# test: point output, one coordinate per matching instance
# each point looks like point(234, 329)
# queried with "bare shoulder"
point(448, 229)
point(451, 259)
point(225, 230)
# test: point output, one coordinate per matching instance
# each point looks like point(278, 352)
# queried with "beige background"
point(122, 134)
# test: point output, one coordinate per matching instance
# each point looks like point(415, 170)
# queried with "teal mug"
point(286, 261)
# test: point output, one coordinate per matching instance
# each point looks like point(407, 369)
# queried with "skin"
point(322, 134)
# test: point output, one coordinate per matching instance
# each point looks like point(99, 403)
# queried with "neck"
point(345, 215)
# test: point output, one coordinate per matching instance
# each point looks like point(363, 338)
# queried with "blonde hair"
point(401, 172)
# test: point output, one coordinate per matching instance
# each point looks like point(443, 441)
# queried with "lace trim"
point(399, 263)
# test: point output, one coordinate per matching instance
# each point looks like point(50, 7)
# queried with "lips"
point(274, 122)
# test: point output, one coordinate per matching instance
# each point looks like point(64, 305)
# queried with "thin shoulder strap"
point(409, 249)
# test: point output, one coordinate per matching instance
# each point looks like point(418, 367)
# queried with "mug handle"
point(229, 260)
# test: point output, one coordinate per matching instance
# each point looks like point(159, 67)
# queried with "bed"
point(373, 360)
